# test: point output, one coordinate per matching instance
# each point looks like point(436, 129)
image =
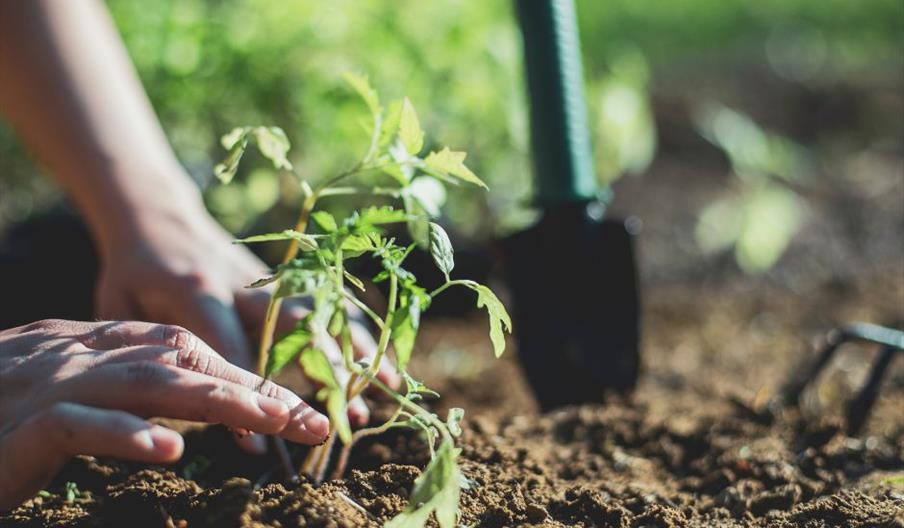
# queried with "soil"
point(691, 448)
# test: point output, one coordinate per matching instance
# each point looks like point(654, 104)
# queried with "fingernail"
point(316, 423)
point(164, 441)
point(272, 407)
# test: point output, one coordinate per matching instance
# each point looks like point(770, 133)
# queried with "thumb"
point(32, 453)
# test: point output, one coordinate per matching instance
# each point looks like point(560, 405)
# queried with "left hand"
point(180, 267)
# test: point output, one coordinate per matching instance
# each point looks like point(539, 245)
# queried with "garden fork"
point(891, 341)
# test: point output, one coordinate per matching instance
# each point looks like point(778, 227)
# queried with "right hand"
point(70, 388)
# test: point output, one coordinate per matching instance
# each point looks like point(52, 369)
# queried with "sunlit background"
point(750, 137)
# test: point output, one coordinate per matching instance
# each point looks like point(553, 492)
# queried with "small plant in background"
point(761, 212)
point(72, 492)
point(315, 265)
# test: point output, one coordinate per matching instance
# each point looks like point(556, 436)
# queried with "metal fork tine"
point(891, 340)
point(860, 406)
point(790, 395)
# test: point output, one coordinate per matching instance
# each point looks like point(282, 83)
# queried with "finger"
point(365, 347)
point(186, 351)
point(33, 452)
point(358, 413)
point(111, 335)
point(178, 347)
point(149, 388)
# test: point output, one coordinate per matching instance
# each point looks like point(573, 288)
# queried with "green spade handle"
point(560, 140)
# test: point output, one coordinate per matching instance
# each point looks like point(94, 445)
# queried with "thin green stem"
point(379, 191)
point(273, 306)
point(364, 308)
point(357, 436)
point(385, 334)
point(450, 283)
point(416, 409)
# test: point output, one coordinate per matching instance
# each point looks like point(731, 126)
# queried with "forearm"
point(70, 90)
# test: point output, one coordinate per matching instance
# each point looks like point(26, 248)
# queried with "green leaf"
point(435, 490)
point(499, 318)
point(385, 214)
point(410, 129)
point(72, 492)
point(453, 420)
point(441, 249)
point(325, 220)
point(263, 281)
point(391, 123)
point(400, 173)
point(336, 323)
point(317, 368)
point(404, 334)
point(405, 322)
point(288, 348)
point(299, 281)
point(357, 245)
point(413, 386)
point(361, 85)
point(274, 145)
point(452, 163)
point(337, 409)
point(354, 280)
point(235, 142)
point(234, 137)
point(305, 242)
point(325, 306)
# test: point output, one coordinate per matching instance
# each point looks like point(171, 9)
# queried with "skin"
point(72, 94)
point(71, 388)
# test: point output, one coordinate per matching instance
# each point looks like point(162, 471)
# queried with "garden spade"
point(572, 274)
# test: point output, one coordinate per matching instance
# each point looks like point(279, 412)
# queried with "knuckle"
point(269, 389)
point(195, 360)
point(175, 336)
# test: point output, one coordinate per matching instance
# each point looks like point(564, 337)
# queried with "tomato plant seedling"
point(315, 266)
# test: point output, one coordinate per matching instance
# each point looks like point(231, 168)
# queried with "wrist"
point(128, 207)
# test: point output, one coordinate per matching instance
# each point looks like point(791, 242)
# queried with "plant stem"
point(273, 312)
point(385, 333)
point(324, 459)
point(450, 283)
point(341, 191)
point(416, 409)
point(364, 308)
point(273, 306)
point(307, 465)
point(356, 437)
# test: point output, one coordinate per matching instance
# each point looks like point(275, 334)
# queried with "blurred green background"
point(763, 97)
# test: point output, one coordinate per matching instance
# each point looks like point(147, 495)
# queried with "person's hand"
point(70, 388)
point(177, 266)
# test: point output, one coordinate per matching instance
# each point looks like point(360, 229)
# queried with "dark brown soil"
point(690, 449)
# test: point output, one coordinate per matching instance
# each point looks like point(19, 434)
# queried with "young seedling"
point(314, 265)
